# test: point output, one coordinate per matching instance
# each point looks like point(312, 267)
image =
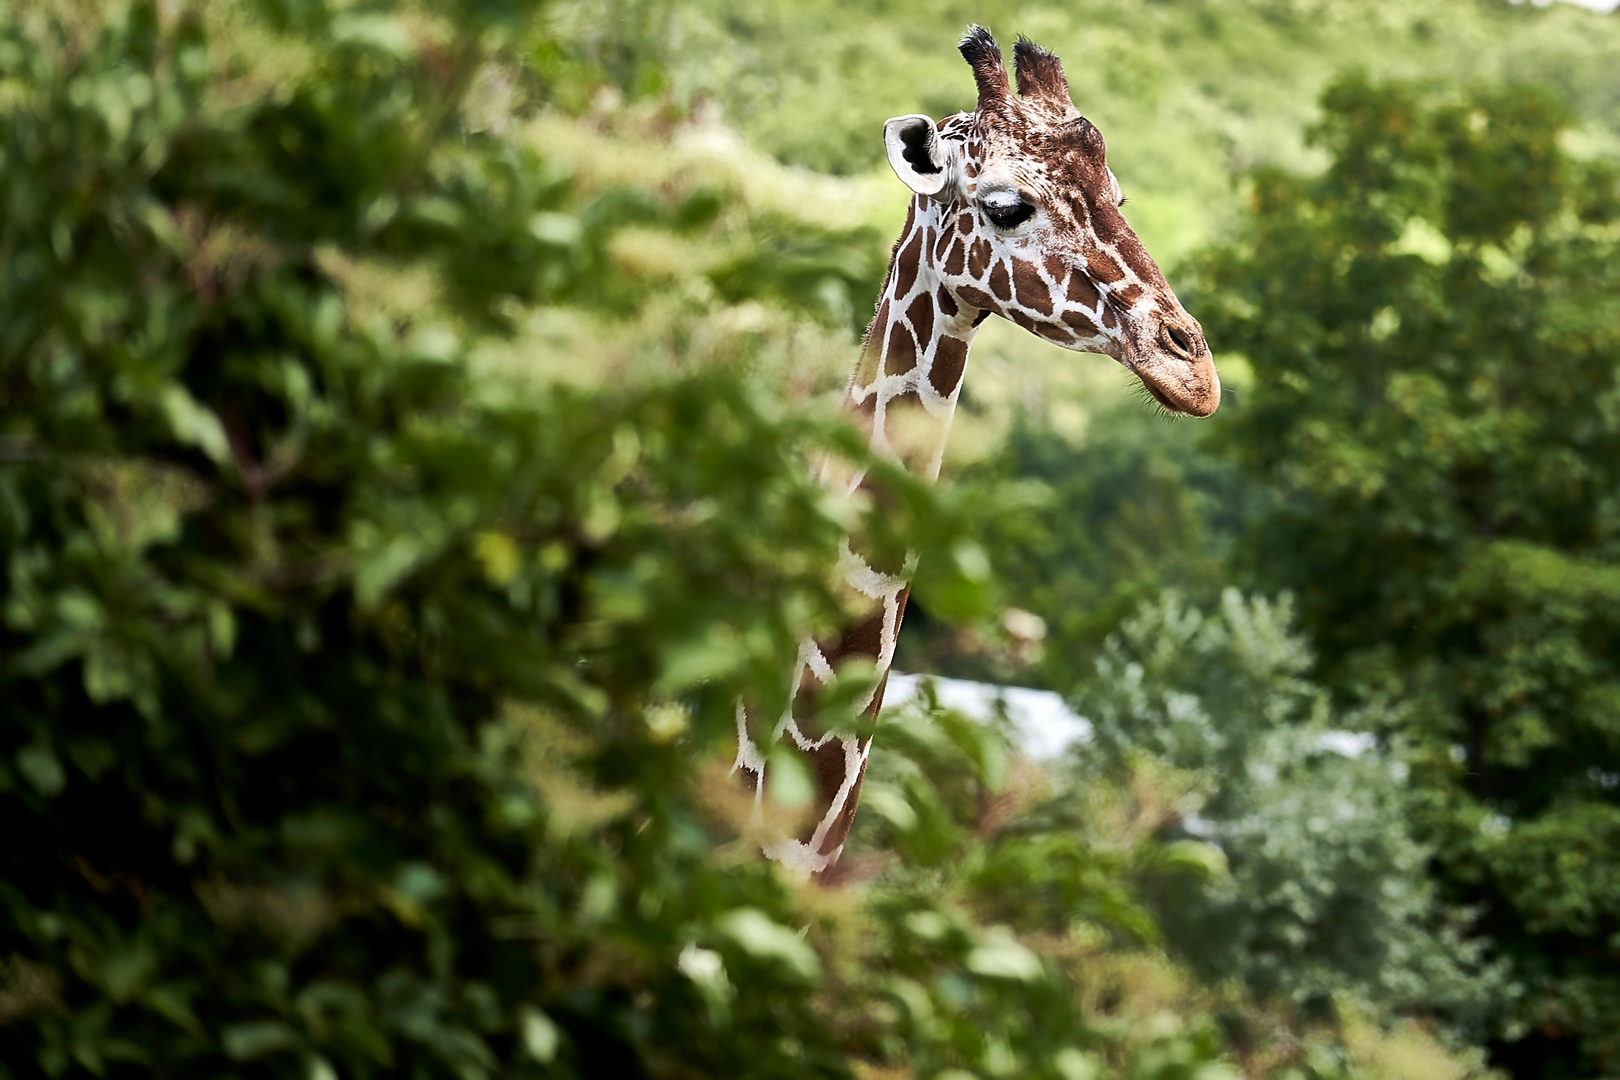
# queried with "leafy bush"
point(1328, 893)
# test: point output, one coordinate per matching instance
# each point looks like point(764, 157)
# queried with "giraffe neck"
point(905, 386)
point(903, 393)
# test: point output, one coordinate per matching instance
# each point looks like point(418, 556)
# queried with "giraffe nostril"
point(1179, 340)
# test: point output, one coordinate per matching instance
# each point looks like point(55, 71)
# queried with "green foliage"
point(1019, 878)
point(1094, 528)
point(831, 275)
point(1328, 894)
point(1432, 326)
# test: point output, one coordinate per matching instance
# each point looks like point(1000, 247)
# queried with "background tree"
point(1086, 530)
point(1433, 326)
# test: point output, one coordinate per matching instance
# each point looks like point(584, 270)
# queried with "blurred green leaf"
point(1004, 959)
point(760, 937)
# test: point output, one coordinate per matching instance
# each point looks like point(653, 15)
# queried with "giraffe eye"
point(1006, 210)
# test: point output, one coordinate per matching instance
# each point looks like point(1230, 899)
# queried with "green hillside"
point(1187, 93)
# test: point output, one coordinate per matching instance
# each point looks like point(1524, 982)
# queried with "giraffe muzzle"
point(1180, 372)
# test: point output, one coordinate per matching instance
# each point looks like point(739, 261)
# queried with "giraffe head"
point(1025, 223)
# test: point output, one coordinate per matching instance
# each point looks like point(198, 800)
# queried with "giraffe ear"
point(916, 154)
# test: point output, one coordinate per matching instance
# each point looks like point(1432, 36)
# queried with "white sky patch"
point(1043, 726)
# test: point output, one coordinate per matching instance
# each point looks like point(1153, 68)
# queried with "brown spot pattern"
point(947, 303)
point(829, 769)
point(953, 265)
point(1082, 291)
point(902, 355)
point(1024, 319)
point(1032, 291)
point(943, 243)
point(865, 638)
point(977, 298)
point(950, 358)
point(1103, 269)
point(921, 316)
point(979, 258)
point(880, 320)
point(1081, 322)
point(905, 272)
point(1128, 296)
point(1000, 282)
point(866, 369)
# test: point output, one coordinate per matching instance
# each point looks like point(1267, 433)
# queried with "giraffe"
point(1014, 212)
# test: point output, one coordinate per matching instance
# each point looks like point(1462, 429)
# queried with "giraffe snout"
point(1178, 369)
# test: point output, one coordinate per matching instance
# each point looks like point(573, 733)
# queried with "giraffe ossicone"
point(1015, 213)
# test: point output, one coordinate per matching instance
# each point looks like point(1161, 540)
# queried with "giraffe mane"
point(1083, 135)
